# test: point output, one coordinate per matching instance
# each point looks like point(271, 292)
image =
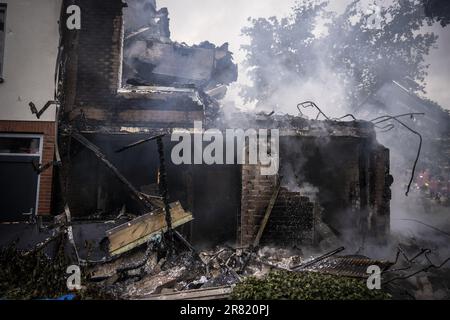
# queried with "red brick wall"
point(47, 129)
point(256, 193)
point(285, 226)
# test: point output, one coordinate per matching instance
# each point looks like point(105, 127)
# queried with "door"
point(19, 180)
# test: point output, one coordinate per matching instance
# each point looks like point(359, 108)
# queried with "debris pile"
point(166, 268)
point(157, 274)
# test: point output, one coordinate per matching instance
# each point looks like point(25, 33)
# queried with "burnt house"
point(122, 84)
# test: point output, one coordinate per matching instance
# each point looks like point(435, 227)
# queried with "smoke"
point(138, 14)
point(325, 89)
point(296, 67)
point(291, 178)
point(418, 216)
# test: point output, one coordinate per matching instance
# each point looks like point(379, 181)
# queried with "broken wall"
point(150, 57)
point(93, 93)
point(345, 174)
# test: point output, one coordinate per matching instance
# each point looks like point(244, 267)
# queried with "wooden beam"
point(138, 231)
point(267, 215)
point(138, 115)
point(218, 293)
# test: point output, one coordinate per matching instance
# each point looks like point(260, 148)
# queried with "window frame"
point(24, 135)
point(3, 11)
point(39, 156)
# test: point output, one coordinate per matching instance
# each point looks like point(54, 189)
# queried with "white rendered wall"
point(31, 48)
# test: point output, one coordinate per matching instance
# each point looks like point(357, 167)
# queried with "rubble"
point(223, 268)
point(153, 272)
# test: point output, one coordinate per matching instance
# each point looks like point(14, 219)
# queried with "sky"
point(220, 21)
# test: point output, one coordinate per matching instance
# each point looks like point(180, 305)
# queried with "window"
point(2, 37)
point(20, 155)
point(20, 145)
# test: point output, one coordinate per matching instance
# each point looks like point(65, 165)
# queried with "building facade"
point(29, 38)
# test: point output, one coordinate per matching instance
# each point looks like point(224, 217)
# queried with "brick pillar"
point(256, 193)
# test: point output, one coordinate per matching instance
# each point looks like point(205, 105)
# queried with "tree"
point(439, 10)
point(281, 50)
point(361, 49)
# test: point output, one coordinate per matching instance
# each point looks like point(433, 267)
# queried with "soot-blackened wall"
point(211, 193)
point(347, 176)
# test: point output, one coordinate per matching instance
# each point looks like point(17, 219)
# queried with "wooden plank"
point(139, 116)
point(218, 293)
point(144, 239)
point(136, 232)
point(267, 215)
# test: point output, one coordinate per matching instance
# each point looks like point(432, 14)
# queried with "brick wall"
point(99, 51)
point(291, 222)
point(257, 191)
point(47, 129)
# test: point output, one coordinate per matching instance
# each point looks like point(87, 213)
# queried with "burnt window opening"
point(2, 37)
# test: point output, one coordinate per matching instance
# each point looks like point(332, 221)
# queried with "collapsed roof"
point(152, 58)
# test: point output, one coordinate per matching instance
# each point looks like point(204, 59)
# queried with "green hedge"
point(305, 286)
